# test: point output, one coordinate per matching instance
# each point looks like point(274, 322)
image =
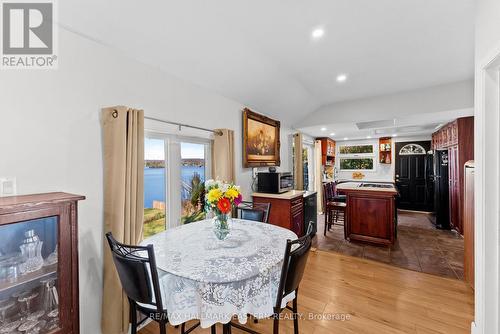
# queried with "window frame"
point(358, 156)
point(173, 167)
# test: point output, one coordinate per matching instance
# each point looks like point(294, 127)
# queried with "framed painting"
point(261, 140)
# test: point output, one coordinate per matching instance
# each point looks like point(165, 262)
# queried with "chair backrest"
point(136, 267)
point(334, 188)
point(327, 192)
point(294, 265)
point(254, 211)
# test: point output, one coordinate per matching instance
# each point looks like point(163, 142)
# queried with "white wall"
point(382, 172)
point(487, 43)
point(50, 135)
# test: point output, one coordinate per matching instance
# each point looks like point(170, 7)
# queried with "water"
point(154, 183)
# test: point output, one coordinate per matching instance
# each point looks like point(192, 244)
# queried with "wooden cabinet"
point(370, 216)
point(458, 138)
point(43, 279)
point(286, 211)
point(453, 186)
point(385, 150)
point(469, 223)
point(327, 151)
point(297, 220)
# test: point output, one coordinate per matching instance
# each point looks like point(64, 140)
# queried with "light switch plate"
point(8, 186)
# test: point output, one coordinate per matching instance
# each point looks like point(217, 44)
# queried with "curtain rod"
point(181, 125)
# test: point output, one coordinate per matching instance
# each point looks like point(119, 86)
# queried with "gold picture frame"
point(261, 140)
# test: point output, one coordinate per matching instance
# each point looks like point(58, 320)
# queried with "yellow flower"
point(214, 195)
point(232, 193)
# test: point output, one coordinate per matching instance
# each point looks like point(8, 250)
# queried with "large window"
point(356, 157)
point(193, 165)
point(356, 149)
point(155, 182)
point(356, 163)
point(174, 174)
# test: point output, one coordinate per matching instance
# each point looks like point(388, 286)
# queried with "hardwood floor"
point(373, 297)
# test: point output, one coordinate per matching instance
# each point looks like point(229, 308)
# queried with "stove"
point(375, 185)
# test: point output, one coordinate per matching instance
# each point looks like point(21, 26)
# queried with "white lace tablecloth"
point(211, 280)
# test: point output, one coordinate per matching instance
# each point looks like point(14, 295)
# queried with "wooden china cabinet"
point(39, 264)
point(457, 138)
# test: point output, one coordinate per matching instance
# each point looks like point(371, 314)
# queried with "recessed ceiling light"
point(395, 135)
point(341, 78)
point(368, 137)
point(323, 129)
point(345, 138)
point(318, 33)
point(332, 134)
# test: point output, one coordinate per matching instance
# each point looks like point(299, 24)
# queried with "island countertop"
point(286, 195)
point(357, 186)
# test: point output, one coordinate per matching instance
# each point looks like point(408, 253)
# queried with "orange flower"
point(224, 205)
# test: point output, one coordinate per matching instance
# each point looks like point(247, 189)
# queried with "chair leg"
point(133, 317)
point(326, 223)
point(163, 327)
point(295, 315)
point(276, 323)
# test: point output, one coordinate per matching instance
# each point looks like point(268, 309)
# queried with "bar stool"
point(332, 214)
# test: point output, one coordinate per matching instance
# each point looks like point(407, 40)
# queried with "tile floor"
point(419, 246)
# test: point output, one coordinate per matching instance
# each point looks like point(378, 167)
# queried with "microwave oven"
point(274, 183)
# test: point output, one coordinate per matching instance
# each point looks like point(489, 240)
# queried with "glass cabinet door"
point(29, 276)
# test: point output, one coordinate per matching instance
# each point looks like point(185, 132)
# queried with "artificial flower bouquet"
point(221, 197)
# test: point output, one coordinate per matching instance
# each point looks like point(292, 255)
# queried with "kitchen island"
point(371, 211)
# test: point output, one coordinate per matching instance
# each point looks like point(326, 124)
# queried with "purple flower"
point(238, 199)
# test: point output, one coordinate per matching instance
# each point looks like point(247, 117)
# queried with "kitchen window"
point(356, 157)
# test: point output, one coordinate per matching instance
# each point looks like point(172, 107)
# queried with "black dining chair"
point(136, 267)
point(292, 271)
point(254, 211)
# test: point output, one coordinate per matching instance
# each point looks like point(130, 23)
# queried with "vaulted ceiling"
point(261, 53)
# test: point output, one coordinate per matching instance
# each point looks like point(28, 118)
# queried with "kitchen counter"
point(357, 186)
point(287, 195)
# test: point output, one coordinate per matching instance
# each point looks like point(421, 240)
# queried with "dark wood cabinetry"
point(385, 150)
point(286, 211)
point(44, 277)
point(327, 151)
point(371, 216)
point(458, 138)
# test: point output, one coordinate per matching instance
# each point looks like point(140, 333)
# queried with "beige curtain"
point(123, 154)
point(223, 156)
point(318, 174)
point(298, 163)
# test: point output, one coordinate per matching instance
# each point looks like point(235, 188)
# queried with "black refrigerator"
point(441, 192)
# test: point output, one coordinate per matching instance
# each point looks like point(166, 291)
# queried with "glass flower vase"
point(221, 223)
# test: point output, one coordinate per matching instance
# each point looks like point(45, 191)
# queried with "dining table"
point(212, 280)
